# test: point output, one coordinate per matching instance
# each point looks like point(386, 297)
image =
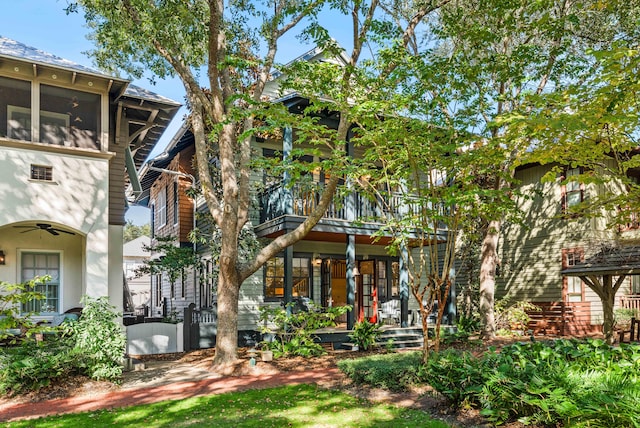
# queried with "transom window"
point(66, 117)
point(38, 265)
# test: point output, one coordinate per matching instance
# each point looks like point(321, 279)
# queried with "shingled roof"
point(609, 260)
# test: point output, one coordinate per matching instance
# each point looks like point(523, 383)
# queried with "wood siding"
point(531, 253)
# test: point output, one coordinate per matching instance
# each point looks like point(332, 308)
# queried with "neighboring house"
point(135, 253)
point(337, 263)
point(71, 141)
point(534, 254)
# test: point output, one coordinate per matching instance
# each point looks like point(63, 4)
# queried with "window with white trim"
point(39, 264)
point(574, 287)
point(161, 205)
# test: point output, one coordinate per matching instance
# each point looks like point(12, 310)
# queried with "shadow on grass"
point(291, 406)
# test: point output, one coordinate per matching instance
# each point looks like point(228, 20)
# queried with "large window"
point(38, 265)
point(67, 117)
point(15, 109)
point(274, 277)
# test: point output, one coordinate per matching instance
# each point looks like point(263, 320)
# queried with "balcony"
point(301, 200)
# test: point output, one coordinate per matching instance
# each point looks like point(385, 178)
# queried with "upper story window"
point(161, 204)
point(573, 191)
point(175, 202)
point(66, 117)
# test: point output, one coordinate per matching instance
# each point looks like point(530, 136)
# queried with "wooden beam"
point(73, 78)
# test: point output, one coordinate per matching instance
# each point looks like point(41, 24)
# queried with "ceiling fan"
point(44, 226)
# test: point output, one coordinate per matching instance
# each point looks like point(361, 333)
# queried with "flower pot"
point(267, 355)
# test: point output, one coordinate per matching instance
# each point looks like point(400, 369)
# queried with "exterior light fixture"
point(2, 258)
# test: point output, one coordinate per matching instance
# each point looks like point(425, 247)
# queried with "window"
point(274, 277)
point(41, 172)
point(66, 118)
point(635, 284)
point(38, 265)
point(382, 280)
point(153, 220)
point(157, 279)
point(175, 202)
point(573, 285)
point(15, 109)
point(162, 207)
point(573, 190)
point(69, 118)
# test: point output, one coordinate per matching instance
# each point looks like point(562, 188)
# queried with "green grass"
point(289, 406)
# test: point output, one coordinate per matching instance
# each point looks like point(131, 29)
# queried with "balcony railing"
point(301, 200)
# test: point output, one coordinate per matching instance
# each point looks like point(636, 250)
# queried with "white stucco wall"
point(76, 200)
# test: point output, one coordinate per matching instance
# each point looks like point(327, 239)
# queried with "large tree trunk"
point(227, 328)
point(489, 258)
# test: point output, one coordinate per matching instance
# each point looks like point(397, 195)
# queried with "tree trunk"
point(489, 257)
point(227, 328)
point(608, 302)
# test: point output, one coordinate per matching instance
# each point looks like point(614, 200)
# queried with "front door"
point(367, 299)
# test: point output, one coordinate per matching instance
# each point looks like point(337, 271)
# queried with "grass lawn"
point(290, 406)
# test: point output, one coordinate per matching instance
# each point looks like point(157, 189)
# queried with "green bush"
point(93, 346)
point(33, 365)
point(12, 299)
point(395, 372)
point(567, 382)
point(292, 333)
point(99, 339)
point(365, 334)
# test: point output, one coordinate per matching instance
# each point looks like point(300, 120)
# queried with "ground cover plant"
point(93, 346)
point(551, 383)
point(294, 406)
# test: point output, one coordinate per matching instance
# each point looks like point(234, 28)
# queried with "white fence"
point(155, 338)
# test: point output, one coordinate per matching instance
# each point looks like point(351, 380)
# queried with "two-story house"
point(71, 141)
point(338, 263)
point(536, 255)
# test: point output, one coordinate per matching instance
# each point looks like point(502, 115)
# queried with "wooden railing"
point(631, 301)
point(301, 200)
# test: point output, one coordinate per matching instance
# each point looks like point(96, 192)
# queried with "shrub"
point(365, 334)
point(292, 333)
point(395, 372)
point(12, 299)
point(99, 339)
point(511, 317)
point(32, 365)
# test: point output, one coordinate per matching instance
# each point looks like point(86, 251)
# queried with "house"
point(542, 259)
point(338, 263)
point(71, 141)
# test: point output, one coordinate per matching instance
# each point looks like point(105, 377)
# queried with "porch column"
point(350, 214)
point(403, 287)
point(452, 312)
point(287, 146)
point(288, 277)
point(351, 279)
